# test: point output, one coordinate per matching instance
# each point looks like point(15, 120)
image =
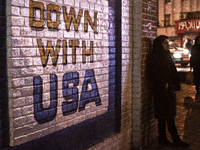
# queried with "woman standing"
point(195, 62)
point(165, 80)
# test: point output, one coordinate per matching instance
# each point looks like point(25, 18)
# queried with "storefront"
point(187, 29)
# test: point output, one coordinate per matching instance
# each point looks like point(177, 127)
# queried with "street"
point(187, 120)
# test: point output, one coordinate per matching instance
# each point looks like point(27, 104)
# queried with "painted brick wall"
point(82, 130)
point(35, 76)
point(29, 83)
point(137, 104)
point(122, 140)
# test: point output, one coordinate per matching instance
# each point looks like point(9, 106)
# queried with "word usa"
point(70, 94)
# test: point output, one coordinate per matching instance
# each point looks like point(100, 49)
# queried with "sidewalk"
point(187, 120)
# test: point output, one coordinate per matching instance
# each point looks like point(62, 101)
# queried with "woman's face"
point(165, 44)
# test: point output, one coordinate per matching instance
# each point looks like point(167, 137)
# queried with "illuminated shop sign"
point(187, 25)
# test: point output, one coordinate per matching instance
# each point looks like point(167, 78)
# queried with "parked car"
point(180, 55)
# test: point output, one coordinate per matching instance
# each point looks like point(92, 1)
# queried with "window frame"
point(167, 1)
point(167, 21)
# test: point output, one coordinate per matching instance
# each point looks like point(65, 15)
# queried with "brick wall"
point(118, 70)
point(144, 31)
point(149, 33)
point(37, 122)
point(4, 123)
point(36, 76)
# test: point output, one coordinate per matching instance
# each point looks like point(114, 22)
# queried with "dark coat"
point(195, 60)
point(195, 56)
point(162, 70)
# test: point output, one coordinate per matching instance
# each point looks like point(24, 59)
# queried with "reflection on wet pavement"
point(187, 120)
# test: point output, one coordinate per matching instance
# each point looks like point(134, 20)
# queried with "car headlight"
point(186, 51)
point(177, 56)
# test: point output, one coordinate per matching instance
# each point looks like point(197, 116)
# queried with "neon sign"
point(187, 25)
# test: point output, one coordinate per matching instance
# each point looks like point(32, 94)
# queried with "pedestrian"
point(189, 44)
point(195, 63)
point(165, 83)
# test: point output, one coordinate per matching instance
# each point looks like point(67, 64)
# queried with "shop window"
point(167, 20)
point(167, 1)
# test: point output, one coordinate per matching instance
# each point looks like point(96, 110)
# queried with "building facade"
point(179, 19)
point(73, 74)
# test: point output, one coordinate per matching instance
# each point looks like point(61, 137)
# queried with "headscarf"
point(157, 44)
point(196, 40)
point(195, 48)
point(195, 54)
point(158, 49)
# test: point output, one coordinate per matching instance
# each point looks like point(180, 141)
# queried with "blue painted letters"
point(42, 114)
point(70, 94)
point(89, 96)
point(69, 107)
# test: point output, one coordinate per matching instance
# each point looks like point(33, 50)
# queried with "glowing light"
point(177, 55)
point(186, 51)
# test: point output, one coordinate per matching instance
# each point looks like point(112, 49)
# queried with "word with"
point(189, 25)
point(70, 94)
point(54, 55)
point(51, 8)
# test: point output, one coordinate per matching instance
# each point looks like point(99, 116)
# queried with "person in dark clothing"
point(189, 44)
point(195, 62)
point(165, 83)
